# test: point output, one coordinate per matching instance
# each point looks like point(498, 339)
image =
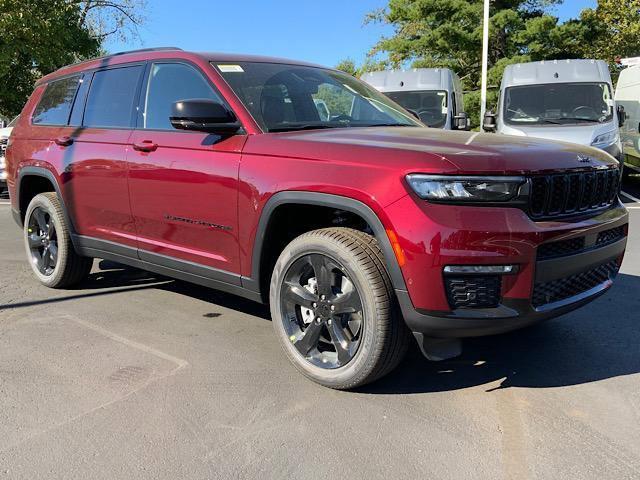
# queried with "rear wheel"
point(48, 244)
point(333, 308)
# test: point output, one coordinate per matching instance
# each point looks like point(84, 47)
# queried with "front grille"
point(561, 248)
point(556, 290)
point(564, 194)
point(473, 291)
point(610, 236)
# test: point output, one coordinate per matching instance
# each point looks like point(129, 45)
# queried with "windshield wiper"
point(386, 125)
point(310, 126)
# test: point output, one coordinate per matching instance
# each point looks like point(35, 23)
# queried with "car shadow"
point(114, 274)
point(596, 342)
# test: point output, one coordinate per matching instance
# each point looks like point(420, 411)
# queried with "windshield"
point(291, 97)
point(558, 103)
point(430, 105)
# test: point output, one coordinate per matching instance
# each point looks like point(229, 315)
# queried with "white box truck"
point(433, 94)
point(628, 96)
point(568, 100)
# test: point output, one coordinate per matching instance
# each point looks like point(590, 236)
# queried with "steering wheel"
point(591, 111)
point(342, 117)
point(429, 115)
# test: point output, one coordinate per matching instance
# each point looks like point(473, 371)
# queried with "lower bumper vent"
point(473, 291)
point(563, 288)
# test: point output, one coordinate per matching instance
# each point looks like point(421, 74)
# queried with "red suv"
point(301, 186)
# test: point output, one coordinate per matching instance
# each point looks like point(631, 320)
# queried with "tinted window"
point(55, 104)
point(112, 97)
point(169, 83)
point(78, 104)
point(291, 97)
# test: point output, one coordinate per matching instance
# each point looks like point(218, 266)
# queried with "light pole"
point(485, 54)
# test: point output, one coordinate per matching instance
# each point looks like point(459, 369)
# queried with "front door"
point(184, 185)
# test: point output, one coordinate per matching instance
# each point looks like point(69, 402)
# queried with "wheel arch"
point(347, 204)
point(22, 195)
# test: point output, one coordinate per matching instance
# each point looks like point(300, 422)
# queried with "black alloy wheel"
point(323, 314)
point(42, 239)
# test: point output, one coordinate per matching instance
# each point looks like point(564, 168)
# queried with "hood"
point(581, 134)
point(430, 150)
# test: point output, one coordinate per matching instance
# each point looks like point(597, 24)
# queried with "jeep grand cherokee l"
point(357, 226)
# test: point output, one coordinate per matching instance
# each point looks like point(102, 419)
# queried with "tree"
point(40, 36)
point(613, 30)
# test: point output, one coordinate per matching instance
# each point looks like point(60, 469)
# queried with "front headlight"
point(606, 139)
point(445, 188)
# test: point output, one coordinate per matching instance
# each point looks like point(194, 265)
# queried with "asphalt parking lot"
point(135, 376)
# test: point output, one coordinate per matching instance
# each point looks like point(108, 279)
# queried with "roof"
point(410, 80)
point(556, 71)
point(166, 53)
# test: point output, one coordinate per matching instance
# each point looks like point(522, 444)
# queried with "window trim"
point(46, 87)
point(139, 120)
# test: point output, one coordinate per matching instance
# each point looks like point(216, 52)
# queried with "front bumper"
point(487, 236)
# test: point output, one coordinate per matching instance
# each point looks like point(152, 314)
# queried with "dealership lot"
point(138, 376)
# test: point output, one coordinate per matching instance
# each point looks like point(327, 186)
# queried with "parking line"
point(630, 197)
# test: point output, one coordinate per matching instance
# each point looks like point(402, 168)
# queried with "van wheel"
point(334, 310)
point(48, 243)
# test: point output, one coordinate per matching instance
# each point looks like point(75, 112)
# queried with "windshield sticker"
point(230, 68)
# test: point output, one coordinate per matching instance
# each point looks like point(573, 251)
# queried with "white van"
point(628, 96)
point(568, 100)
point(433, 94)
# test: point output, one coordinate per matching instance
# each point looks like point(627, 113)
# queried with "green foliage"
point(40, 36)
point(37, 38)
point(448, 33)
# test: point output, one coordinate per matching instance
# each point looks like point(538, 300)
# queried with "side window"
point(169, 83)
point(78, 104)
point(55, 104)
point(112, 97)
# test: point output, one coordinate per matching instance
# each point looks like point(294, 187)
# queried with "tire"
point(360, 341)
point(61, 267)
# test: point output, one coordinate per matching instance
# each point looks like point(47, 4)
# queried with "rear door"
point(183, 184)
point(92, 151)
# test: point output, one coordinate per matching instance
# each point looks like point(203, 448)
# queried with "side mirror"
point(204, 115)
point(461, 121)
point(622, 115)
point(489, 122)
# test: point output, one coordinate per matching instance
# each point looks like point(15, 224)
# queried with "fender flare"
point(325, 200)
point(30, 171)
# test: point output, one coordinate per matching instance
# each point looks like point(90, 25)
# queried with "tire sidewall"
point(365, 358)
point(45, 203)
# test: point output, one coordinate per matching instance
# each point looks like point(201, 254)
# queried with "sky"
point(322, 32)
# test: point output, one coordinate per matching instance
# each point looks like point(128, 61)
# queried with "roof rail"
point(105, 57)
point(156, 49)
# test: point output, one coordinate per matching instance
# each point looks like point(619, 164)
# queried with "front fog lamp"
point(465, 189)
point(481, 269)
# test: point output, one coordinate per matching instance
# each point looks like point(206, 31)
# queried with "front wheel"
point(333, 308)
point(48, 244)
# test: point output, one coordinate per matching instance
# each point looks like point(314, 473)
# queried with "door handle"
point(64, 141)
point(145, 146)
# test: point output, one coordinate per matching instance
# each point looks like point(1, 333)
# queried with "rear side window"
point(112, 98)
point(169, 83)
point(56, 101)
